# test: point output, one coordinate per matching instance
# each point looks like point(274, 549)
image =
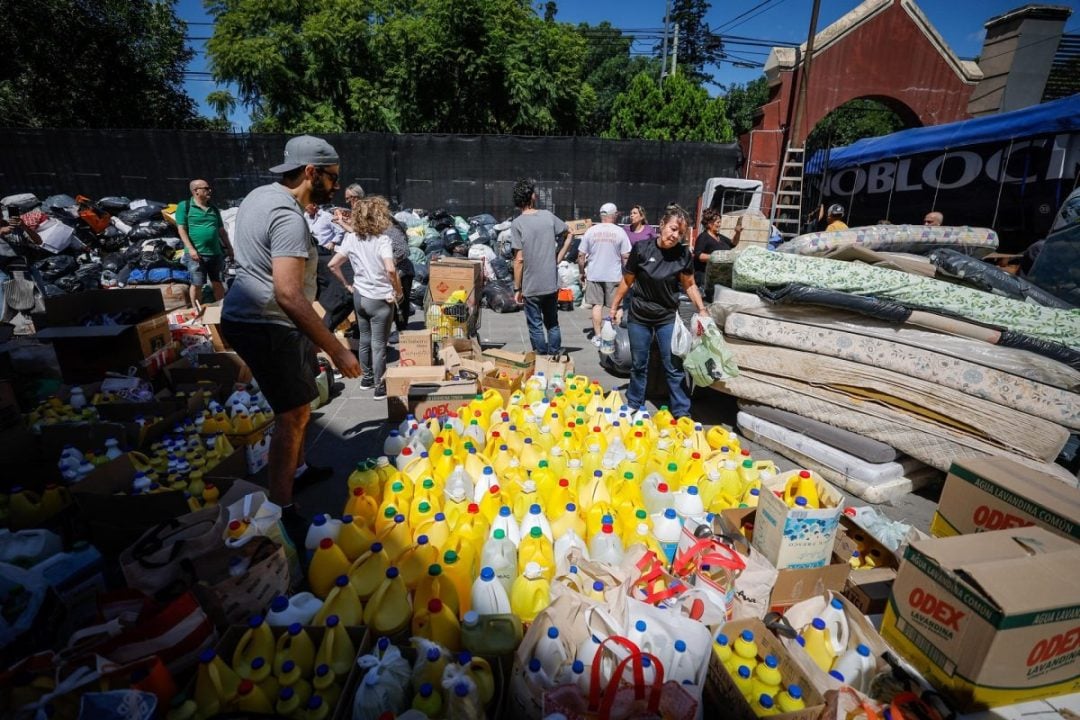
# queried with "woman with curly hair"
point(657, 270)
point(376, 288)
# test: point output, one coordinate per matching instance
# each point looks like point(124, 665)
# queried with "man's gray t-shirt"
point(270, 223)
point(535, 235)
point(605, 244)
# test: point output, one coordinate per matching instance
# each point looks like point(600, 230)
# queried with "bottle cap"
point(747, 636)
point(326, 543)
point(801, 501)
point(295, 629)
point(433, 654)
point(818, 624)
point(333, 620)
point(499, 534)
point(323, 670)
point(553, 633)
point(862, 650)
point(534, 665)
point(245, 687)
point(670, 513)
point(640, 626)
point(487, 574)
point(376, 547)
point(837, 675)
point(280, 604)
point(391, 572)
point(794, 691)
point(744, 672)
point(341, 580)
point(804, 474)
point(434, 605)
point(426, 690)
point(692, 490)
point(422, 539)
point(256, 620)
point(450, 557)
point(535, 532)
point(771, 661)
point(598, 586)
point(680, 646)
point(504, 511)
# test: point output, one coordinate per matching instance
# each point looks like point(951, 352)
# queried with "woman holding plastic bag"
point(658, 269)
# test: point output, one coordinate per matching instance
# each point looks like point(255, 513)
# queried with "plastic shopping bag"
point(681, 339)
point(709, 359)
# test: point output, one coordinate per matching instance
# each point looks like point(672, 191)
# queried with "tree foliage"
point(610, 69)
point(108, 63)
point(743, 102)
point(699, 46)
point(679, 110)
point(401, 65)
point(854, 120)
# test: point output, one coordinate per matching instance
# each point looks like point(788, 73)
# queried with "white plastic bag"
point(264, 520)
point(681, 339)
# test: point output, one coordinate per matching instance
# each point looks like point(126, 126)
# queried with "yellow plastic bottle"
point(336, 649)
point(597, 517)
point(256, 642)
point(444, 466)
point(479, 671)
point(722, 650)
point(594, 490)
point(436, 622)
point(536, 548)
point(388, 612)
point(317, 708)
point(396, 495)
point(530, 593)
point(791, 699)
point(745, 650)
point(362, 507)
point(428, 701)
point(294, 645)
point(288, 703)
point(250, 698)
point(524, 499)
point(436, 585)
point(459, 573)
point(415, 562)
point(328, 563)
point(364, 476)
point(490, 503)
point(802, 485)
point(817, 644)
point(342, 602)
point(672, 476)
point(325, 686)
point(764, 706)
point(354, 538)
point(368, 571)
point(263, 676)
point(767, 677)
point(569, 519)
point(396, 538)
point(215, 684)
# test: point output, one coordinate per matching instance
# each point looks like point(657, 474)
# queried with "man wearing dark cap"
point(267, 315)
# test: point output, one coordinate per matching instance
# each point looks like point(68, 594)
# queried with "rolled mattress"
point(896, 238)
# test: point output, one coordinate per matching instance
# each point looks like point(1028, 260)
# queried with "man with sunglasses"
point(205, 240)
point(268, 316)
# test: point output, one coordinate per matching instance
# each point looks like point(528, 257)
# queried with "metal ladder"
point(787, 216)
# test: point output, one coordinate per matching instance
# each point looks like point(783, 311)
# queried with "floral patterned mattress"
point(895, 238)
point(1018, 393)
point(756, 268)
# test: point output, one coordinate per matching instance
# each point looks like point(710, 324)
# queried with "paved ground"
point(352, 426)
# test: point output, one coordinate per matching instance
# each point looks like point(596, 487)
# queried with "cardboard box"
point(470, 362)
point(211, 318)
point(399, 379)
point(797, 538)
point(523, 363)
point(851, 538)
point(117, 520)
point(87, 353)
point(416, 347)
point(432, 399)
point(985, 494)
point(721, 691)
point(578, 227)
point(174, 295)
point(869, 590)
point(224, 369)
point(990, 618)
point(505, 382)
point(448, 275)
point(256, 447)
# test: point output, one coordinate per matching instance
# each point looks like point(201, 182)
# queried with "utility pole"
point(667, 23)
point(675, 51)
point(795, 131)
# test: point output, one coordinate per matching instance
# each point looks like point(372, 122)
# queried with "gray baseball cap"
point(306, 150)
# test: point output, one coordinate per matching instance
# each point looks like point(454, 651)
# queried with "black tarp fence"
point(466, 174)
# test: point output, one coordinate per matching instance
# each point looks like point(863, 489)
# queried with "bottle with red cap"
point(606, 546)
point(438, 623)
point(250, 698)
point(327, 565)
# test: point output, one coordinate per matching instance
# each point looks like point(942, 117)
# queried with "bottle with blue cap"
point(505, 521)
point(791, 699)
point(428, 701)
point(667, 530)
point(294, 645)
point(606, 546)
point(256, 642)
point(856, 666)
point(818, 645)
point(767, 677)
point(388, 611)
point(745, 651)
point(574, 674)
point(764, 706)
point(681, 668)
point(688, 503)
point(837, 625)
point(551, 651)
point(488, 595)
point(535, 517)
point(215, 684)
point(744, 681)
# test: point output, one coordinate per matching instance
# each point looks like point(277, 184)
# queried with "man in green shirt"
point(205, 240)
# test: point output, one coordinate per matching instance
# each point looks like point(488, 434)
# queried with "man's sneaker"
point(380, 393)
point(366, 384)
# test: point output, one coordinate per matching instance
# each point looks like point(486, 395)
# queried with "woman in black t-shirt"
point(658, 269)
point(709, 241)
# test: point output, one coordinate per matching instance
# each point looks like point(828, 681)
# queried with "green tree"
point(109, 63)
point(698, 45)
point(743, 102)
point(222, 103)
point(401, 65)
point(854, 120)
point(681, 110)
point(610, 68)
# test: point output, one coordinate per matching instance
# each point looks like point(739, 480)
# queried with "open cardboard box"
point(225, 369)
point(792, 537)
point(117, 519)
point(519, 363)
point(416, 347)
point(211, 318)
point(86, 353)
point(432, 399)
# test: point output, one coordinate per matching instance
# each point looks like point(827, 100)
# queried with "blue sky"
point(960, 22)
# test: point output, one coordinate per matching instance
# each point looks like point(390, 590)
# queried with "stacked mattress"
point(881, 408)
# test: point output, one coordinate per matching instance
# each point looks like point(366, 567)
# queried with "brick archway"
point(886, 50)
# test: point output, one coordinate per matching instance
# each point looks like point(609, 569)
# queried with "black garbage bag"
point(451, 239)
point(419, 292)
point(441, 220)
point(60, 206)
point(88, 276)
point(112, 262)
point(482, 219)
point(992, 279)
point(69, 283)
point(421, 273)
point(500, 297)
point(55, 267)
point(483, 234)
point(150, 230)
point(114, 203)
point(112, 240)
point(147, 210)
point(502, 270)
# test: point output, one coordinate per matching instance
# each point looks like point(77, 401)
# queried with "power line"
point(758, 13)
point(747, 12)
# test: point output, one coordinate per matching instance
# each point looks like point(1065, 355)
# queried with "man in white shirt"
point(326, 232)
point(601, 256)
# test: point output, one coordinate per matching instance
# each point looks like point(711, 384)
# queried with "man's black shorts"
point(281, 359)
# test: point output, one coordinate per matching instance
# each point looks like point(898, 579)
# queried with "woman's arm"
point(691, 289)
point(334, 266)
point(391, 270)
point(620, 293)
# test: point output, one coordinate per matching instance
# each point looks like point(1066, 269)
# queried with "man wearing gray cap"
point(267, 315)
point(601, 256)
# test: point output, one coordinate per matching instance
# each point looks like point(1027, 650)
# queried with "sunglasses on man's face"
point(333, 176)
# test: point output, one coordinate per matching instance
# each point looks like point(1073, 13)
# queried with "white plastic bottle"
point(394, 444)
point(656, 494)
point(535, 518)
point(535, 675)
point(489, 596)
point(500, 555)
point(837, 625)
point(112, 448)
point(505, 521)
point(856, 666)
point(551, 652)
point(300, 608)
point(607, 338)
point(667, 530)
point(322, 526)
point(681, 668)
point(574, 674)
point(688, 504)
point(606, 547)
point(77, 401)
